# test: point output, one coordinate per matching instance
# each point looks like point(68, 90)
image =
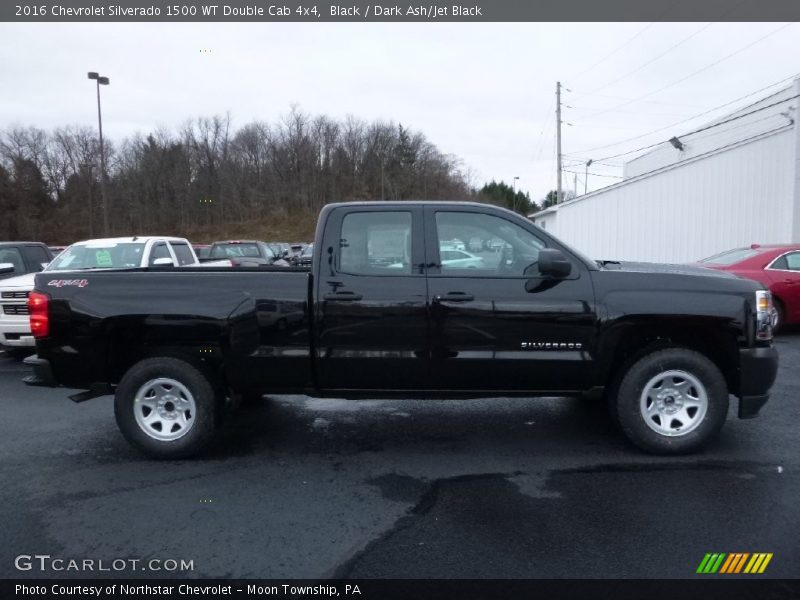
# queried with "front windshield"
point(100, 256)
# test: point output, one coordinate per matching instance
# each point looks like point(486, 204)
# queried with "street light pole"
point(88, 169)
point(514, 194)
point(586, 179)
point(102, 81)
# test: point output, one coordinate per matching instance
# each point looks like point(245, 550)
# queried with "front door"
point(372, 323)
point(497, 324)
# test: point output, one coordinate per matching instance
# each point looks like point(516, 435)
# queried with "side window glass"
point(183, 254)
point(793, 261)
point(494, 246)
point(159, 251)
point(780, 264)
point(37, 256)
point(376, 243)
point(12, 256)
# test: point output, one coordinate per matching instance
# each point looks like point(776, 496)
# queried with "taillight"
point(40, 318)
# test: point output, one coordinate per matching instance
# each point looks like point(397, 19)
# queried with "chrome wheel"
point(673, 403)
point(164, 409)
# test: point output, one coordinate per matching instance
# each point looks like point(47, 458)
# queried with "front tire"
point(672, 401)
point(780, 317)
point(166, 408)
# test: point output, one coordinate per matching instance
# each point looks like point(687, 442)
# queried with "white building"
point(734, 183)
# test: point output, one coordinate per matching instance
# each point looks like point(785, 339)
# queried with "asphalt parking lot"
point(304, 488)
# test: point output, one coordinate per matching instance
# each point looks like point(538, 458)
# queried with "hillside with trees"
point(210, 180)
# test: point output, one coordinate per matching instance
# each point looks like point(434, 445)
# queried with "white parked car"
point(15, 328)
point(460, 259)
point(130, 252)
point(109, 253)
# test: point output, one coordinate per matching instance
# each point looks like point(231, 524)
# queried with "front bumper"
point(758, 368)
point(15, 332)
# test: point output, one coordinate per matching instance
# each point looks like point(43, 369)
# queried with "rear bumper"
point(42, 372)
point(758, 368)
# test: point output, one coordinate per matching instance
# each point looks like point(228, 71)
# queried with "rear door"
point(371, 317)
point(496, 323)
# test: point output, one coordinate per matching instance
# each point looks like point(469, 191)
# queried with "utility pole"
point(586, 181)
point(558, 139)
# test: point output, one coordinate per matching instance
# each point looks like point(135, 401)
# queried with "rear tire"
point(166, 408)
point(671, 401)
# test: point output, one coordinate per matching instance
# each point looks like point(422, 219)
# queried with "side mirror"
point(44, 265)
point(552, 262)
point(6, 268)
point(163, 262)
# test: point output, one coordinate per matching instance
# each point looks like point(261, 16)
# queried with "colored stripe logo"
point(735, 562)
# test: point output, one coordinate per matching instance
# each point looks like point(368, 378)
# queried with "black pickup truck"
point(382, 313)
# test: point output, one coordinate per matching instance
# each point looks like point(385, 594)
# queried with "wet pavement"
point(303, 488)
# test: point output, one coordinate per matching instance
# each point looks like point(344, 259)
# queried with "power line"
point(644, 101)
point(692, 118)
point(595, 174)
point(707, 127)
point(697, 72)
point(652, 60)
point(613, 52)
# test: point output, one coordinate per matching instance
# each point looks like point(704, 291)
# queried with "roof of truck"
point(131, 239)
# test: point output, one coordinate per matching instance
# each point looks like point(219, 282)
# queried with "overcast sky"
point(484, 92)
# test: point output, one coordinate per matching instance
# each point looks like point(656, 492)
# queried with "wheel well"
point(205, 360)
point(631, 343)
point(778, 302)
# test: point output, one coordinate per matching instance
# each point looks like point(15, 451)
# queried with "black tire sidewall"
point(205, 401)
point(628, 411)
point(781, 316)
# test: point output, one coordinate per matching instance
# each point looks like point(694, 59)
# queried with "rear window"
point(235, 251)
point(731, 257)
point(106, 256)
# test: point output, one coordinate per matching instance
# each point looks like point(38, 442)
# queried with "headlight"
point(765, 315)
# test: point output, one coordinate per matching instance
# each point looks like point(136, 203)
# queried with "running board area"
point(97, 390)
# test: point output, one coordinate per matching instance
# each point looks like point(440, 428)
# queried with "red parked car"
point(774, 266)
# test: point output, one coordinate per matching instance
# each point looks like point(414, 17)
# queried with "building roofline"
point(750, 140)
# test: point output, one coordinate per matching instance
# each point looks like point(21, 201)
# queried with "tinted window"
point(507, 250)
point(376, 243)
point(12, 256)
point(183, 253)
point(159, 251)
point(37, 256)
point(106, 256)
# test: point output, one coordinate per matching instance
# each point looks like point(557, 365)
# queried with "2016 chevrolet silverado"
point(380, 314)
